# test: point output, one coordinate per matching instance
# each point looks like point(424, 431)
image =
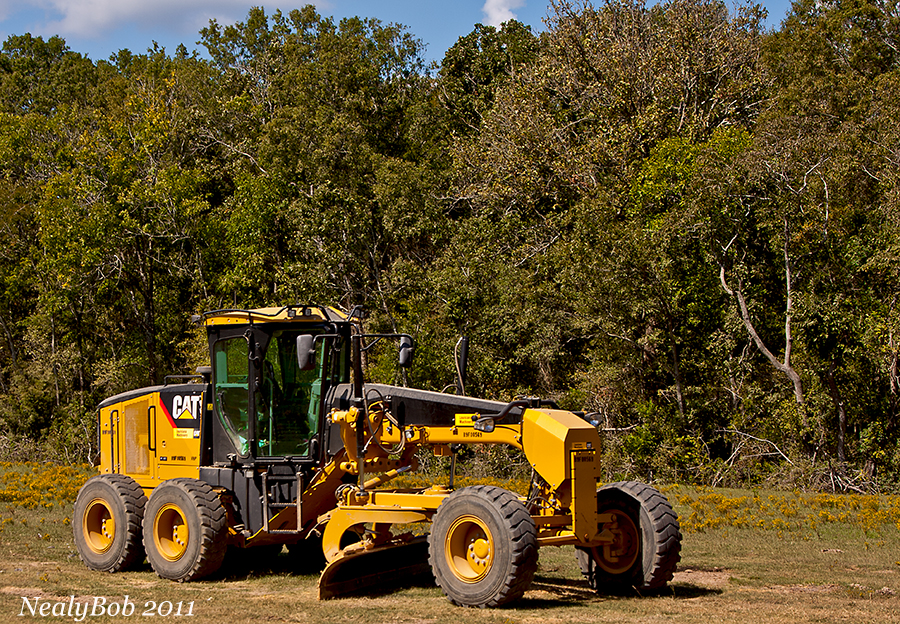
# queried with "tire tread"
point(666, 538)
point(213, 530)
point(133, 501)
point(522, 536)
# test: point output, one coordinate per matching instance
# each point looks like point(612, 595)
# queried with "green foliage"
point(477, 66)
point(43, 77)
point(660, 214)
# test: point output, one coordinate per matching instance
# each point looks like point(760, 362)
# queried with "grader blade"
point(391, 565)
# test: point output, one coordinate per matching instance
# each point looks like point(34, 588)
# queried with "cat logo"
point(186, 407)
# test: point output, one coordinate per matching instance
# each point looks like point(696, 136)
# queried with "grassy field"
point(748, 556)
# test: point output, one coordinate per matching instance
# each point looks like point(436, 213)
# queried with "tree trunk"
point(53, 357)
point(893, 368)
point(783, 367)
point(679, 385)
point(9, 340)
point(841, 410)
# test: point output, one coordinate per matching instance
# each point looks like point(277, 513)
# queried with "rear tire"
point(483, 547)
point(648, 545)
point(107, 526)
point(185, 530)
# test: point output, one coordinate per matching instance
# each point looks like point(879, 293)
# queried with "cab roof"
point(285, 314)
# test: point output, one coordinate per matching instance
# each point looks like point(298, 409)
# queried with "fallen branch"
point(618, 429)
point(752, 437)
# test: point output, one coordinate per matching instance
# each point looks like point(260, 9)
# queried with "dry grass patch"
point(839, 571)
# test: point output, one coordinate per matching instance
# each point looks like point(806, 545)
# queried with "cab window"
point(231, 391)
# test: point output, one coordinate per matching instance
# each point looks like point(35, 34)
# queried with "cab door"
point(232, 400)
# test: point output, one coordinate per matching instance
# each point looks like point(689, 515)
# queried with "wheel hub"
point(618, 557)
point(469, 549)
point(98, 526)
point(171, 532)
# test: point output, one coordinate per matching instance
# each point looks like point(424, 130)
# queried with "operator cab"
point(266, 407)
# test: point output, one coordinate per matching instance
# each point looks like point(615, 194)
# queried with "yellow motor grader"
point(280, 441)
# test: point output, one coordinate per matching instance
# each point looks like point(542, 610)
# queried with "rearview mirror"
point(306, 352)
point(406, 351)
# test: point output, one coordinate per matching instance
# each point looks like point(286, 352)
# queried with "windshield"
point(288, 405)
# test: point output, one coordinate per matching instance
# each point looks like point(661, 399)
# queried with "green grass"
point(844, 569)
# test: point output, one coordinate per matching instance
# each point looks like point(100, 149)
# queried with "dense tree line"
point(667, 216)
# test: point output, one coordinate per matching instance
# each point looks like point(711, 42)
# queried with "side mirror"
point(406, 351)
point(306, 352)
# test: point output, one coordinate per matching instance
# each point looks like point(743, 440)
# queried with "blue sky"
point(99, 28)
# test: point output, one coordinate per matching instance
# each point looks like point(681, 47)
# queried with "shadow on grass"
point(564, 591)
point(557, 592)
point(243, 563)
point(685, 591)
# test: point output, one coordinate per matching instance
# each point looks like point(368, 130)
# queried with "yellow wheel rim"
point(98, 526)
point(170, 532)
point(469, 549)
point(619, 556)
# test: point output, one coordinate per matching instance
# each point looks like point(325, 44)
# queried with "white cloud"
point(93, 19)
point(90, 18)
point(498, 11)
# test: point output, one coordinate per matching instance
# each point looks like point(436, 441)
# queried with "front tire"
point(483, 547)
point(185, 530)
point(648, 541)
point(109, 510)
